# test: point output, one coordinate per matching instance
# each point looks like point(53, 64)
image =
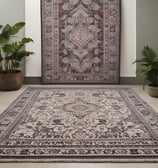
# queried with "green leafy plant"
point(148, 66)
point(12, 52)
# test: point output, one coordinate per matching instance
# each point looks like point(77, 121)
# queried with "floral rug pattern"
point(80, 41)
point(73, 124)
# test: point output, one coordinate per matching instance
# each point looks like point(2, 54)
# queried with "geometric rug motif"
point(80, 41)
point(79, 125)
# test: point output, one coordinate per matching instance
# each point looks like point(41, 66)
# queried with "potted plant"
point(12, 54)
point(149, 69)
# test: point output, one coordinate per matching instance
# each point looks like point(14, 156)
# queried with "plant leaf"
point(3, 40)
point(26, 40)
point(5, 33)
point(15, 29)
point(6, 29)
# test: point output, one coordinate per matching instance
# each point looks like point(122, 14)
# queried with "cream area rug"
point(79, 125)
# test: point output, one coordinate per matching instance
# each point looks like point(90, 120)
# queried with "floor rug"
point(80, 41)
point(79, 125)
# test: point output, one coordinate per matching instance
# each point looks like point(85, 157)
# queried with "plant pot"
point(11, 81)
point(153, 91)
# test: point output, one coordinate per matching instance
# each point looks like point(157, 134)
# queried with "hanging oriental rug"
point(80, 41)
point(79, 125)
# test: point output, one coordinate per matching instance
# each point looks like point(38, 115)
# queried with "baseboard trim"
point(123, 80)
point(131, 80)
point(32, 80)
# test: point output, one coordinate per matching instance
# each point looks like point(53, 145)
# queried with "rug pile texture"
point(79, 125)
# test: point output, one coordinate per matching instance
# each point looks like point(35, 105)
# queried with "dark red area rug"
point(80, 41)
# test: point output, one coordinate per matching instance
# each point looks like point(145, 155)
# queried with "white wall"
point(147, 25)
point(128, 39)
point(33, 30)
point(12, 11)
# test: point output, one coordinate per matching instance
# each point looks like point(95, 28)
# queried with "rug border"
point(134, 160)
